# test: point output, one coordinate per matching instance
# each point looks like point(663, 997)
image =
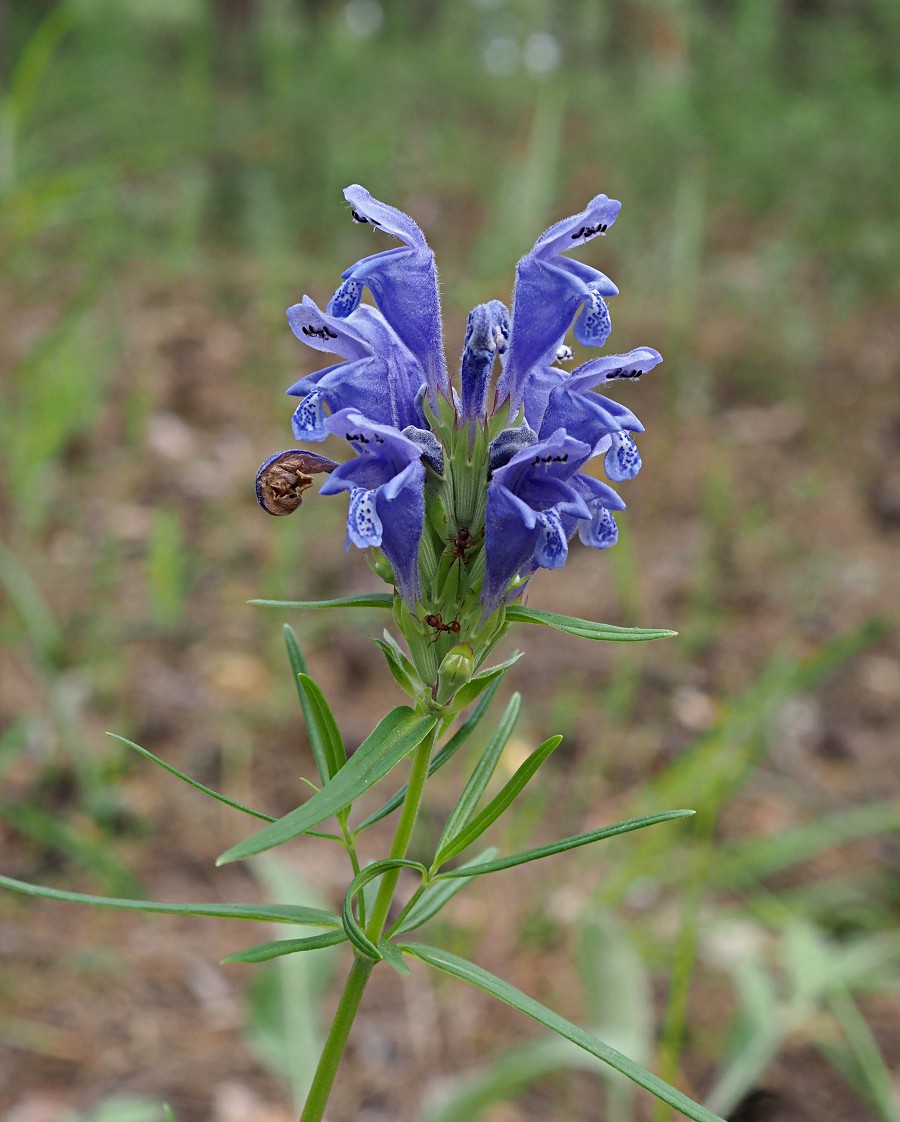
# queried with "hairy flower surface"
point(465, 490)
point(380, 376)
point(552, 289)
point(387, 502)
point(527, 498)
point(403, 283)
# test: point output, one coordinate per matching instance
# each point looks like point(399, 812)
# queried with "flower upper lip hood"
point(587, 415)
point(381, 377)
point(550, 290)
point(404, 285)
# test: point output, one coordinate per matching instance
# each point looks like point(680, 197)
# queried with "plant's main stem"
point(333, 1051)
point(402, 838)
point(358, 977)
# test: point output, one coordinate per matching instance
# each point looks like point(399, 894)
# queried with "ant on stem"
point(460, 543)
point(434, 620)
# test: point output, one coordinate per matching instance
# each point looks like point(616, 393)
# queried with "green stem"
point(402, 838)
point(347, 1008)
point(333, 1051)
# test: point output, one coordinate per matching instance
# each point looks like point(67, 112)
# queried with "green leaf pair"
point(515, 613)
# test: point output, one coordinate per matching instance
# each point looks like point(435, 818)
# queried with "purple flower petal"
point(403, 283)
point(601, 531)
point(586, 416)
point(487, 333)
point(550, 290)
point(526, 499)
point(612, 368)
point(386, 480)
point(381, 377)
point(552, 547)
point(622, 460)
point(364, 527)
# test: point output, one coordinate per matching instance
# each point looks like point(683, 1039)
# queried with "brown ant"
point(434, 620)
point(461, 542)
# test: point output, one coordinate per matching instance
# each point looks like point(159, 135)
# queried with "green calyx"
point(446, 636)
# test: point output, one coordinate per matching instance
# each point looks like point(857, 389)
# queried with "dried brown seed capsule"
point(283, 478)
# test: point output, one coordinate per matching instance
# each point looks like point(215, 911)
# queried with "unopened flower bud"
point(455, 671)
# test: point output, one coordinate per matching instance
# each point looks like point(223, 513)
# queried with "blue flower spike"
point(460, 493)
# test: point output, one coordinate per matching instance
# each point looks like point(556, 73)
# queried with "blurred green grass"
point(170, 178)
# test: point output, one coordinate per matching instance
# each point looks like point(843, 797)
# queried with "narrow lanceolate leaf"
point(480, 777)
point(277, 913)
point(399, 665)
point(298, 665)
point(452, 746)
point(499, 803)
point(509, 995)
point(394, 737)
point(191, 782)
point(566, 843)
point(585, 628)
point(377, 869)
point(482, 680)
point(320, 718)
point(262, 952)
point(399, 653)
point(364, 600)
point(436, 896)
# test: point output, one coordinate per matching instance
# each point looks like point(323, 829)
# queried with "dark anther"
point(357, 217)
point(319, 332)
point(589, 231)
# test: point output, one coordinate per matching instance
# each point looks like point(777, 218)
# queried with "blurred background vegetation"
point(170, 180)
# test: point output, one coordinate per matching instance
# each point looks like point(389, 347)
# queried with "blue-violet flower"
point(463, 491)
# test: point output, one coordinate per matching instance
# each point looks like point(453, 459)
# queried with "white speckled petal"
point(552, 548)
point(364, 527)
point(623, 460)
